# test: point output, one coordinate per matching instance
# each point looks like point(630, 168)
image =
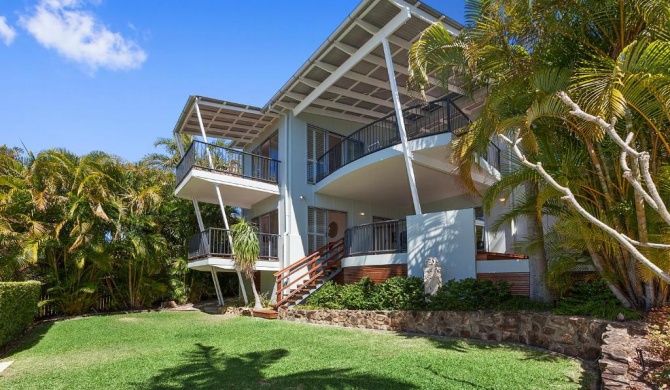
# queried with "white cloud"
point(7, 34)
point(78, 35)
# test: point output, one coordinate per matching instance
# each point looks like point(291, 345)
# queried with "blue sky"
point(114, 75)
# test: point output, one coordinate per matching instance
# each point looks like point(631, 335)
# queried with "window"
point(480, 229)
point(267, 223)
point(268, 148)
point(316, 228)
point(263, 167)
point(319, 141)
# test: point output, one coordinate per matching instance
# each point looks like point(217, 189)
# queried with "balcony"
point(368, 164)
point(244, 178)
point(441, 116)
point(212, 248)
point(376, 238)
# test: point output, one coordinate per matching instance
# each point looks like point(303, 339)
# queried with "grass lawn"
point(192, 350)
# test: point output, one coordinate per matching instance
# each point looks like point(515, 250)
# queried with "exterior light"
point(362, 214)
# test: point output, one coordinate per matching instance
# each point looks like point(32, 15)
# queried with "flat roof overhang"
point(346, 78)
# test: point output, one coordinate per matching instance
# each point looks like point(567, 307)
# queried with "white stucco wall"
point(449, 236)
point(381, 259)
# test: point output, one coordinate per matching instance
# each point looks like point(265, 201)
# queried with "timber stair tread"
point(268, 314)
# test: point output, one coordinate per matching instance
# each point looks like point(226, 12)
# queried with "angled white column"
point(220, 199)
point(217, 287)
point(401, 127)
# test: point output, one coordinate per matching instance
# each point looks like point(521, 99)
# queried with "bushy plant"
point(327, 297)
point(658, 329)
point(399, 293)
point(358, 296)
point(18, 306)
point(521, 303)
point(593, 299)
point(470, 294)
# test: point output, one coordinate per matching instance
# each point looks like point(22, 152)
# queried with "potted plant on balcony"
point(246, 248)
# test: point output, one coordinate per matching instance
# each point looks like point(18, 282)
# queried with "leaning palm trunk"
point(537, 261)
point(247, 249)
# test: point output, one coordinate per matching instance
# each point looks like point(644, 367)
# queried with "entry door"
point(324, 226)
point(337, 224)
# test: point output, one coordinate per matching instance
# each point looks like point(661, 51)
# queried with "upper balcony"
point(244, 178)
point(368, 164)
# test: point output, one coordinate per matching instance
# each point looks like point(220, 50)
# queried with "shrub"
point(470, 294)
point(327, 297)
point(399, 293)
point(593, 299)
point(519, 303)
point(18, 305)
point(658, 329)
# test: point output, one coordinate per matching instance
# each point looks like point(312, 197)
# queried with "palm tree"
point(611, 56)
point(247, 249)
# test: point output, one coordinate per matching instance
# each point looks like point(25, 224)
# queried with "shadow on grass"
point(28, 340)
point(586, 380)
point(206, 367)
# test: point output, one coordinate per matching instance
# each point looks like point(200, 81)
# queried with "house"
point(344, 171)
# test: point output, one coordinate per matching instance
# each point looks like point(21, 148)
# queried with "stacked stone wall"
point(574, 336)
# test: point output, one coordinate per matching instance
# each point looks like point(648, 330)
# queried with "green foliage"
point(397, 293)
point(470, 294)
point(95, 225)
point(519, 303)
point(327, 297)
point(18, 306)
point(593, 299)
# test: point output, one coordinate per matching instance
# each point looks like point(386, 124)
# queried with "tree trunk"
point(537, 262)
point(257, 298)
point(598, 264)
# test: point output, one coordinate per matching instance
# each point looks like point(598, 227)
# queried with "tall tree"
point(611, 57)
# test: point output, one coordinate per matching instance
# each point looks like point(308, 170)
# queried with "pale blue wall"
point(448, 236)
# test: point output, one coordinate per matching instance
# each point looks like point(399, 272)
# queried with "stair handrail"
point(312, 258)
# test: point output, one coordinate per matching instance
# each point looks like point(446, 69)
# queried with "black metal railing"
point(493, 156)
point(440, 116)
point(214, 242)
point(375, 238)
point(229, 161)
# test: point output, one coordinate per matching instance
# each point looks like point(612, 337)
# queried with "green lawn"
point(192, 350)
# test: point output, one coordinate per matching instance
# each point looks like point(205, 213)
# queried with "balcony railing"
point(441, 116)
point(228, 161)
point(214, 242)
point(376, 238)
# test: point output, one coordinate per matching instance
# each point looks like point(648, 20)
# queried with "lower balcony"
point(243, 178)
point(211, 248)
point(377, 250)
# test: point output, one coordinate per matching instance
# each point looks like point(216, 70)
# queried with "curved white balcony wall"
point(372, 260)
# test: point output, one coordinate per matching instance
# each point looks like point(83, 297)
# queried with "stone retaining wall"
point(617, 353)
point(574, 336)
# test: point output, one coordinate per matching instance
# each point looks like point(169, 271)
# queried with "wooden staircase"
point(299, 280)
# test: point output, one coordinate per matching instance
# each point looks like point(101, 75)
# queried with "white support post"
point(401, 127)
point(220, 198)
point(217, 287)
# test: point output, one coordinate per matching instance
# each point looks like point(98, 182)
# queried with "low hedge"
point(18, 306)
point(399, 293)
